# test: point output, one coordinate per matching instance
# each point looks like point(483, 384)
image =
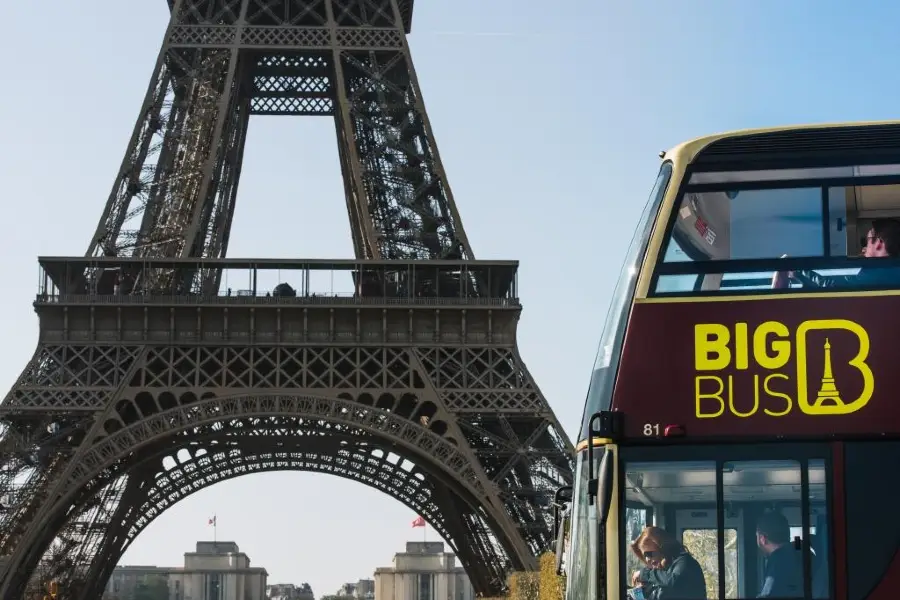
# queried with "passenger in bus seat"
point(671, 572)
point(783, 573)
point(882, 240)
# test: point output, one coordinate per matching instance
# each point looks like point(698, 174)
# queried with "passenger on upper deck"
point(882, 240)
point(783, 574)
point(671, 572)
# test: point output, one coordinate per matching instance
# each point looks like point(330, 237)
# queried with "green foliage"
point(525, 585)
point(703, 545)
point(552, 586)
point(544, 584)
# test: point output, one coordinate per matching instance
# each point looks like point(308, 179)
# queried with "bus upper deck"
point(745, 373)
point(714, 236)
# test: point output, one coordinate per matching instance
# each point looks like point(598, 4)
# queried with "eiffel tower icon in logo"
point(828, 393)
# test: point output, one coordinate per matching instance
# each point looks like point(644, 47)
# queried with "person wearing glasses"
point(882, 240)
point(671, 573)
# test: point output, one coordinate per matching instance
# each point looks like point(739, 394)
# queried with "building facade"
point(364, 589)
point(137, 581)
point(424, 572)
point(289, 591)
point(215, 571)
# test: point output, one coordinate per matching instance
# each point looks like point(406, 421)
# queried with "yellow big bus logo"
point(780, 367)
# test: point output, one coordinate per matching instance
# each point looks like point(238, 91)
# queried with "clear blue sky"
point(549, 121)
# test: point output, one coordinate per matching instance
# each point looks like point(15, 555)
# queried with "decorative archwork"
point(232, 411)
point(118, 474)
point(200, 465)
point(194, 460)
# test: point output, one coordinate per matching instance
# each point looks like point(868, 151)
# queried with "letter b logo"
point(829, 400)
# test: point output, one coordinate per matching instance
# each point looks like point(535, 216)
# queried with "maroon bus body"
point(657, 383)
point(658, 379)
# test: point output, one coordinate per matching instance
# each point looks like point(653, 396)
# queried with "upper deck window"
point(733, 231)
point(793, 174)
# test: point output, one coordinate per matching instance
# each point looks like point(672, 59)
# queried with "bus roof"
point(686, 152)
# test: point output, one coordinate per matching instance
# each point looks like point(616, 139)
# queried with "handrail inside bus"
point(751, 265)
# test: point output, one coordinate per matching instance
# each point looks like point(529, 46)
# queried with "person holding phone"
point(671, 573)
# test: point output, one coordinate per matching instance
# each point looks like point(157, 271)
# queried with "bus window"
point(822, 225)
point(767, 545)
point(767, 496)
point(769, 223)
point(677, 283)
point(701, 543)
point(581, 554)
point(818, 531)
point(663, 488)
point(636, 518)
point(838, 224)
point(725, 225)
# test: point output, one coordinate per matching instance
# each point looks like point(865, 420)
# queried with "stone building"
point(215, 571)
point(423, 572)
point(289, 591)
point(133, 581)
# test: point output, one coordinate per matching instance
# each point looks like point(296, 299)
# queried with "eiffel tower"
point(149, 382)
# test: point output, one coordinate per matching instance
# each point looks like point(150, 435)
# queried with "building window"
point(214, 591)
point(425, 588)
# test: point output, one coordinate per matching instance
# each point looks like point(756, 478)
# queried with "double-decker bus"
point(744, 399)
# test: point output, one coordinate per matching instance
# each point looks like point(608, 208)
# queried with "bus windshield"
point(604, 372)
point(584, 548)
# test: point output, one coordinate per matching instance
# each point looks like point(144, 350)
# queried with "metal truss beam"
point(223, 60)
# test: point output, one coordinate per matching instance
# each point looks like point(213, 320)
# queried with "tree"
point(703, 544)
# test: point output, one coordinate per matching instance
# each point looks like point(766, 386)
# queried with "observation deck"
point(279, 301)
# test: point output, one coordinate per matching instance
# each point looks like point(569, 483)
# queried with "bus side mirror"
point(561, 545)
point(561, 522)
point(560, 501)
point(602, 425)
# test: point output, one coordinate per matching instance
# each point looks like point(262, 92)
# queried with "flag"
point(418, 522)
point(212, 522)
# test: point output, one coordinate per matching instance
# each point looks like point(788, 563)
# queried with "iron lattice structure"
point(148, 384)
